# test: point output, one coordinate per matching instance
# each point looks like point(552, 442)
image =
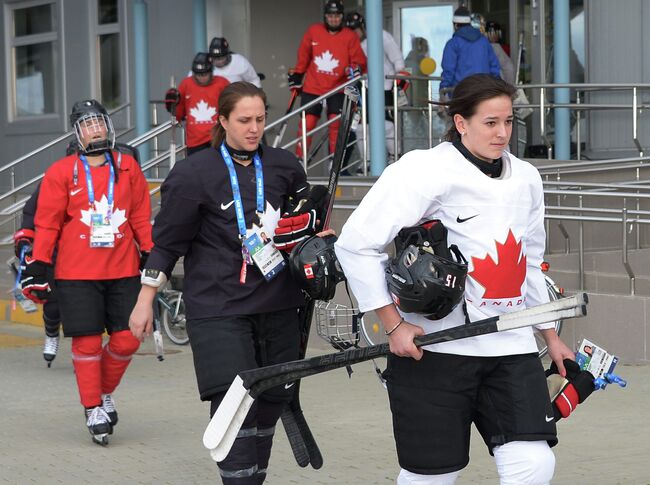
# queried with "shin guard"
point(311, 121)
point(87, 362)
point(116, 357)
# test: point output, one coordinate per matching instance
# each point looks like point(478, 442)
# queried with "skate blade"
point(100, 439)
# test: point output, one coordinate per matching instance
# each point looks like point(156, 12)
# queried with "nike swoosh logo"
point(314, 43)
point(75, 192)
point(548, 420)
point(460, 221)
point(225, 206)
point(287, 386)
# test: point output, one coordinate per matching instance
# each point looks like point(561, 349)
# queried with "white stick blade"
point(220, 452)
point(225, 414)
point(563, 303)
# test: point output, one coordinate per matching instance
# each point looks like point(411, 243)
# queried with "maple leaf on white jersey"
point(326, 62)
point(203, 112)
point(117, 218)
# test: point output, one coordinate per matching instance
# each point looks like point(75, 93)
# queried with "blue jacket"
point(467, 52)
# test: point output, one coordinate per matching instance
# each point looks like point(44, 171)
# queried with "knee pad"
point(525, 463)
point(406, 477)
point(123, 343)
point(86, 347)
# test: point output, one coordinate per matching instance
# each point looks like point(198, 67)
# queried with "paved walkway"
point(43, 438)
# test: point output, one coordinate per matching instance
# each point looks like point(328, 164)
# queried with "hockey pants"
point(99, 371)
point(248, 459)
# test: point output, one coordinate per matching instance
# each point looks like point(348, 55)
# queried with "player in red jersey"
point(94, 208)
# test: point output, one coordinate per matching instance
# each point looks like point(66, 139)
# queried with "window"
point(33, 44)
point(109, 53)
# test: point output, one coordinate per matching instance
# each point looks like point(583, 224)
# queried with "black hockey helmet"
point(354, 20)
point(333, 7)
point(220, 52)
point(201, 63)
point(426, 276)
point(98, 134)
point(314, 267)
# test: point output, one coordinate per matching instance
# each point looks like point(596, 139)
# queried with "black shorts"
point(224, 346)
point(334, 103)
point(435, 400)
point(88, 307)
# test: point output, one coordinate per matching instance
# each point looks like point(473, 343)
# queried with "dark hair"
point(471, 92)
point(228, 98)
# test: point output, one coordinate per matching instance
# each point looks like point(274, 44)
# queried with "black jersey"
point(197, 220)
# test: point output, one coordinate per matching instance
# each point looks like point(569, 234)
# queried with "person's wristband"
point(388, 333)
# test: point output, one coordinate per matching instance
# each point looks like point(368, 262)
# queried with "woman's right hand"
point(141, 319)
point(401, 341)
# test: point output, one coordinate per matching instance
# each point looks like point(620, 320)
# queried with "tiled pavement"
point(43, 438)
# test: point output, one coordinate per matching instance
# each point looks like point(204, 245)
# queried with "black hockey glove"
point(301, 223)
point(567, 392)
point(34, 281)
point(295, 80)
point(403, 84)
point(172, 98)
point(143, 259)
point(23, 238)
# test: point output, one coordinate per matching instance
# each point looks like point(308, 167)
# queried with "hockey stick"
point(226, 422)
point(283, 128)
point(301, 439)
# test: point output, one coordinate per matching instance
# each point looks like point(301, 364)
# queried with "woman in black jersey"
point(242, 306)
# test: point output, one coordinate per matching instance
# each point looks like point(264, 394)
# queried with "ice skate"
point(109, 408)
point(50, 348)
point(99, 425)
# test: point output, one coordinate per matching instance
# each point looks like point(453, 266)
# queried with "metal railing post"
point(626, 262)
point(578, 132)
point(397, 129)
point(581, 249)
point(303, 124)
point(364, 129)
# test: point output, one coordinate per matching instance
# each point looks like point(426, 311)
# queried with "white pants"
point(389, 127)
point(518, 463)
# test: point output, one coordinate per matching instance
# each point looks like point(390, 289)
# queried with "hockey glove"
point(300, 224)
point(172, 98)
point(23, 238)
point(567, 392)
point(34, 281)
point(403, 84)
point(295, 80)
point(353, 71)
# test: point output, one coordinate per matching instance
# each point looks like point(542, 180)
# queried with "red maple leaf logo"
point(502, 279)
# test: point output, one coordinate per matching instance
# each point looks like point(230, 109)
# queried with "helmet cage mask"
point(333, 7)
point(91, 124)
point(220, 53)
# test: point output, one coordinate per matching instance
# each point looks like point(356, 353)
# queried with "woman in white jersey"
point(492, 205)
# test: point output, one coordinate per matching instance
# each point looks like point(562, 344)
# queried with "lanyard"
point(89, 183)
point(234, 183)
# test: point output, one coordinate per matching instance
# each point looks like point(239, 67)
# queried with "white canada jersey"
point(393, 59)
point(498, 224)
point(238, 69)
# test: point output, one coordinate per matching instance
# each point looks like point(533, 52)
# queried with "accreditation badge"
point(101, 231)
point(265, 255)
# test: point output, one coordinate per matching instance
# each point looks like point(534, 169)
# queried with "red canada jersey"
point(63, 220)
point(323, 57)
point(198, 106)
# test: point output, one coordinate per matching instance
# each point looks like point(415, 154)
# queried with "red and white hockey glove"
point(172, 98)
point(33, 280)
point(567, 392)
point(23, 238)
point(300, 224)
